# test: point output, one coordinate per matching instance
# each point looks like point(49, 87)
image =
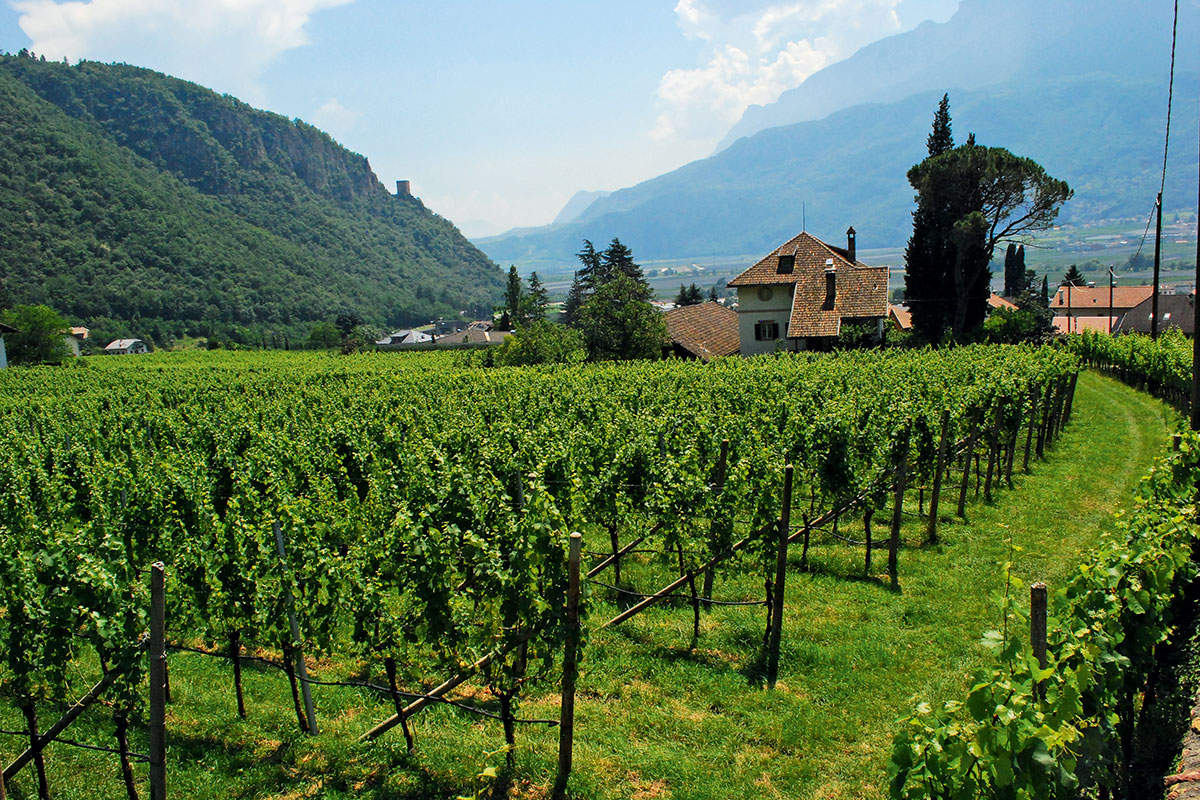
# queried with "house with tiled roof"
point(803, 292)
point(126, 347)
point(1174, 311)
point(704, 331)
point(1093, 301)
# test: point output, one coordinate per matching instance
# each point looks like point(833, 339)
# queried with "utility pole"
point(1195, 331)
point(1157, 261)
point(1111, 280)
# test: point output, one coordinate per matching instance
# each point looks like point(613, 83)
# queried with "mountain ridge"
point(219, 219)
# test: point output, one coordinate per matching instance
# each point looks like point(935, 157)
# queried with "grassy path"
point(658, 720)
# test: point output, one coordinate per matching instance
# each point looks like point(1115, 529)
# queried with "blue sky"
point(497, 112)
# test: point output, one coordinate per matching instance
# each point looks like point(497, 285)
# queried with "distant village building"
point(1174, 311)
point(1086, 308)
point(127, 347)
point(405, 338)
point(704, 331)
point(4, 353)
point(803, 292)
point(75, 338)
point(478, 334)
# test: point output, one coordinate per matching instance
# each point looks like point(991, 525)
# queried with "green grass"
point(658, 719)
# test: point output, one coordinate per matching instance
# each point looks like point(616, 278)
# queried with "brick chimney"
point(850, 244)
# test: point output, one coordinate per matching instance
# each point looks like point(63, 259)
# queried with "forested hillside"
point(134, 202)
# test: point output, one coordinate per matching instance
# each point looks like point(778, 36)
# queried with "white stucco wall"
point(753, 309)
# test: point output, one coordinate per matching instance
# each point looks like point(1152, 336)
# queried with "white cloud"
point(756, 50)
point(221, 43)
point(335, 118)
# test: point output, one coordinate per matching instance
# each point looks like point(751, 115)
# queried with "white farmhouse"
point(127, 347)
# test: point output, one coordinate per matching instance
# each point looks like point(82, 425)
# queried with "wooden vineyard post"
point(1033, 409)
point(566, 722)
point(717, 487)
point(867, 514)
point(967, 458)
point(35, 747)
point(294, 626)
point(235, 654)
point(1044, 410)
point(1176, 442)
point(898, 510)
point(158, 683)
point(1037, 629)
point(931, 533)
point(785, 522)
point(389, 666)
point(993, 447)
point(1071, 395)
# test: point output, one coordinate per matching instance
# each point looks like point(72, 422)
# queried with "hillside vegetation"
point(135, 202)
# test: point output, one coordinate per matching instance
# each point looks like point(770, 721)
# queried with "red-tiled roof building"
point(803, 292)
point(705, 331)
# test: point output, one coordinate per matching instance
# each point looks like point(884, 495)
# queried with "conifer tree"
point(1010, 265)
point(575, 300)
point(618, 260)
point(538, 298)
point(941, 138)
point(969, 199)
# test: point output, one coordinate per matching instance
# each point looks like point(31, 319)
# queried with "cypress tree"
point(941, 138)
point(1010, 271)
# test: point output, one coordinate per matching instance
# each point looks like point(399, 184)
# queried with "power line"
point(1170, 98)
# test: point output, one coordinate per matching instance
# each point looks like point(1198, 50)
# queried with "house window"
point(766, 331)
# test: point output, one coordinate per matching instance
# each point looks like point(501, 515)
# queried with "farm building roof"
point(706, 330)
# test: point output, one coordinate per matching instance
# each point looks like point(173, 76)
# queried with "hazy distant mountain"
point(1078, 85)
point(990, 42)
point(136, 202)
point(578, 204)
point(1101, 134)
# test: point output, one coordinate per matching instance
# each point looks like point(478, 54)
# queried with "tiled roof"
point(706, 330)
point(122, 344)
point(1174, 311)
point(810, 253)
point(861, 291)
point(1094, 300)
point(7, 328)
point(997, 301)
point(901, 316)
point(473, 336)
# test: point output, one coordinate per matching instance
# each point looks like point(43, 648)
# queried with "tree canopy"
point(969, 199)
point(618, 322)
point(40, 337)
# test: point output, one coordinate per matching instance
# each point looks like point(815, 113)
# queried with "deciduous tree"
point(40, 337)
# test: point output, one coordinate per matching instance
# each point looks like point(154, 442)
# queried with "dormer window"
point(787, 264)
